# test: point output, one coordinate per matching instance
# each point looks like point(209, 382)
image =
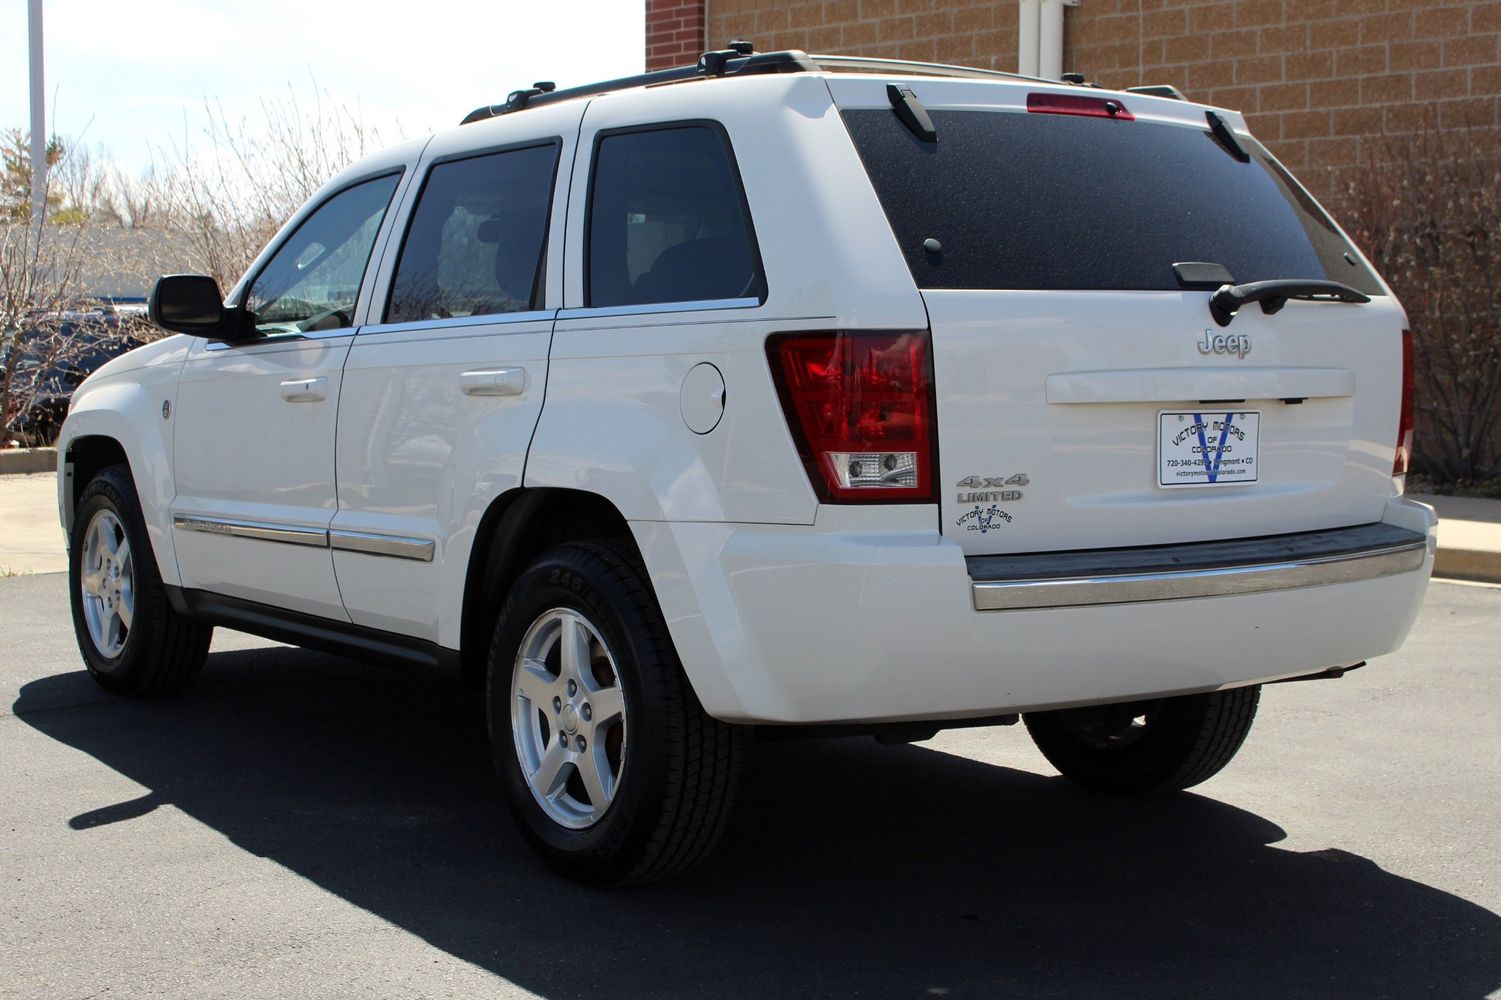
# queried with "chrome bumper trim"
point(420, 549)
point(251, 529)
point(1177, 585)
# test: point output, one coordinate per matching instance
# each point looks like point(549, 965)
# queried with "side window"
point(312, 281)
point(474, 245)
point(668, 220)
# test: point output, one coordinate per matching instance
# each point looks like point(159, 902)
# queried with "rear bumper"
point(1183, 572)
point(840, 623)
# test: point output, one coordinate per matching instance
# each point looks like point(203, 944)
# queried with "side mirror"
point(191, 304)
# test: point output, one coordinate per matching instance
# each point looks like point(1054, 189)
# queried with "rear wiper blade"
point(1273, 295)
point(1220, 129)
point(911, 112)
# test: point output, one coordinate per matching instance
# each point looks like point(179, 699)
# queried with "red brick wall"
point(1317, 79)
point(674, 32)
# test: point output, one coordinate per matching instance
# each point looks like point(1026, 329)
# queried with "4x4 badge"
point(986, 489)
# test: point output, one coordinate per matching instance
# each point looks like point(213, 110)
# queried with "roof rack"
point(1158, 90)
point(855, 64)
point(739, 58)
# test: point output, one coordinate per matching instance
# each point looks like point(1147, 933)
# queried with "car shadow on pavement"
point(850, 868)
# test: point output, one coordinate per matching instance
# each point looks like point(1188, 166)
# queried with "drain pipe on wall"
point(1039, 37)
point(1028, 20)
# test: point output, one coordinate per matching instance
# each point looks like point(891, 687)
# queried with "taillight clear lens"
point(1405, 421)
point(860, 406)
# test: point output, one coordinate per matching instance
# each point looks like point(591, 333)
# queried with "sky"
point(132, 76)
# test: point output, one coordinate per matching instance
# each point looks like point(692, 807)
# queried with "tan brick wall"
point(1317, 79)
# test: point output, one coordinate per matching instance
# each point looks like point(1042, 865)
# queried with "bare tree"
point(47, 322)
point(229, 196)
point(1426, 206)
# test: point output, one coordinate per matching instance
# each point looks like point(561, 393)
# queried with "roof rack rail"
point(738, 59)
point(1158, 90)
point(858, 63)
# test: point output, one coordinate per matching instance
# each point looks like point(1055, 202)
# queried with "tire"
point(665, 772)
point(132, 641)
point(1144, 747)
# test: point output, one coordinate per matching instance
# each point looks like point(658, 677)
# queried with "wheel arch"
point(81, 462)
point(121, 421)
point(515, 529)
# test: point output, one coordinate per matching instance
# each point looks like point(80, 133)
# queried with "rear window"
point(1019, 200)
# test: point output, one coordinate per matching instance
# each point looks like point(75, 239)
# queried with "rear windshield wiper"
point(1220, 129)
point(1273, 295)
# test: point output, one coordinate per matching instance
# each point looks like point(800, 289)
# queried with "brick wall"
point(1317, 79)
point(674, 32)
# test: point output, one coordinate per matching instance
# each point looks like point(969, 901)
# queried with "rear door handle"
point(494, 382)
point(304, 390)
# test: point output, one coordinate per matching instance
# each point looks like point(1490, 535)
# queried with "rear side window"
point(474, 245)
point(1018, 200)
point(668, 220)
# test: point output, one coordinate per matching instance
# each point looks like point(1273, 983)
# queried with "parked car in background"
point(59, 350)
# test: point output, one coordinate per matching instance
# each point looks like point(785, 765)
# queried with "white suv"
point(779, 391)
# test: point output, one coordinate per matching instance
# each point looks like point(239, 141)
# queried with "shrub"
point(1426, 207)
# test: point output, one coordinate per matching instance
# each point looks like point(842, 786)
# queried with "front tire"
point(1138, 748)
point(131, 640)
point(609, 763)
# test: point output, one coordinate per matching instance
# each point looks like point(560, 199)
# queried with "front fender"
point(129, 410)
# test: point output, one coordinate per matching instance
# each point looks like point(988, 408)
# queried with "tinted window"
point(474, 245)
point(1021, 200)
point(312, 281)
point(667, 220)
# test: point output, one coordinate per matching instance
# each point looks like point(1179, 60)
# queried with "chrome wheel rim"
point(107, 582)
point(568, 718)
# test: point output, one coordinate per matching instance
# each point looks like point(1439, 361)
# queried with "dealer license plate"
point(1207, 447)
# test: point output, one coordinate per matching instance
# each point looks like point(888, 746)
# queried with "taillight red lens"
point(1071, 104)
point(860, 406)
point(1405, 421)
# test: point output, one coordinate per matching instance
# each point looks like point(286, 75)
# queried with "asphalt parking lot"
point(305, 826)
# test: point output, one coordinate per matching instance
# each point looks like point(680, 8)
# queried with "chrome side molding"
point(382, 545)
point(398, 546)
point(1398, 551)
point(252, 529)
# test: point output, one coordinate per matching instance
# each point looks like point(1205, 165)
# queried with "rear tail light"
point(1405, 421)
point(1072, 104)
point(860, 407)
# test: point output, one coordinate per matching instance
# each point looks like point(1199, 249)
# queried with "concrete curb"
point(14, 461)
point(1467, 564)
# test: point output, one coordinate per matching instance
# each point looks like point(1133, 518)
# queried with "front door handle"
point(304, 390)
point(493, 382)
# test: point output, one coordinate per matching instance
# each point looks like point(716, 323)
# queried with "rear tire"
point(1138, 748)
point(132, 641)
point(648, 794)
